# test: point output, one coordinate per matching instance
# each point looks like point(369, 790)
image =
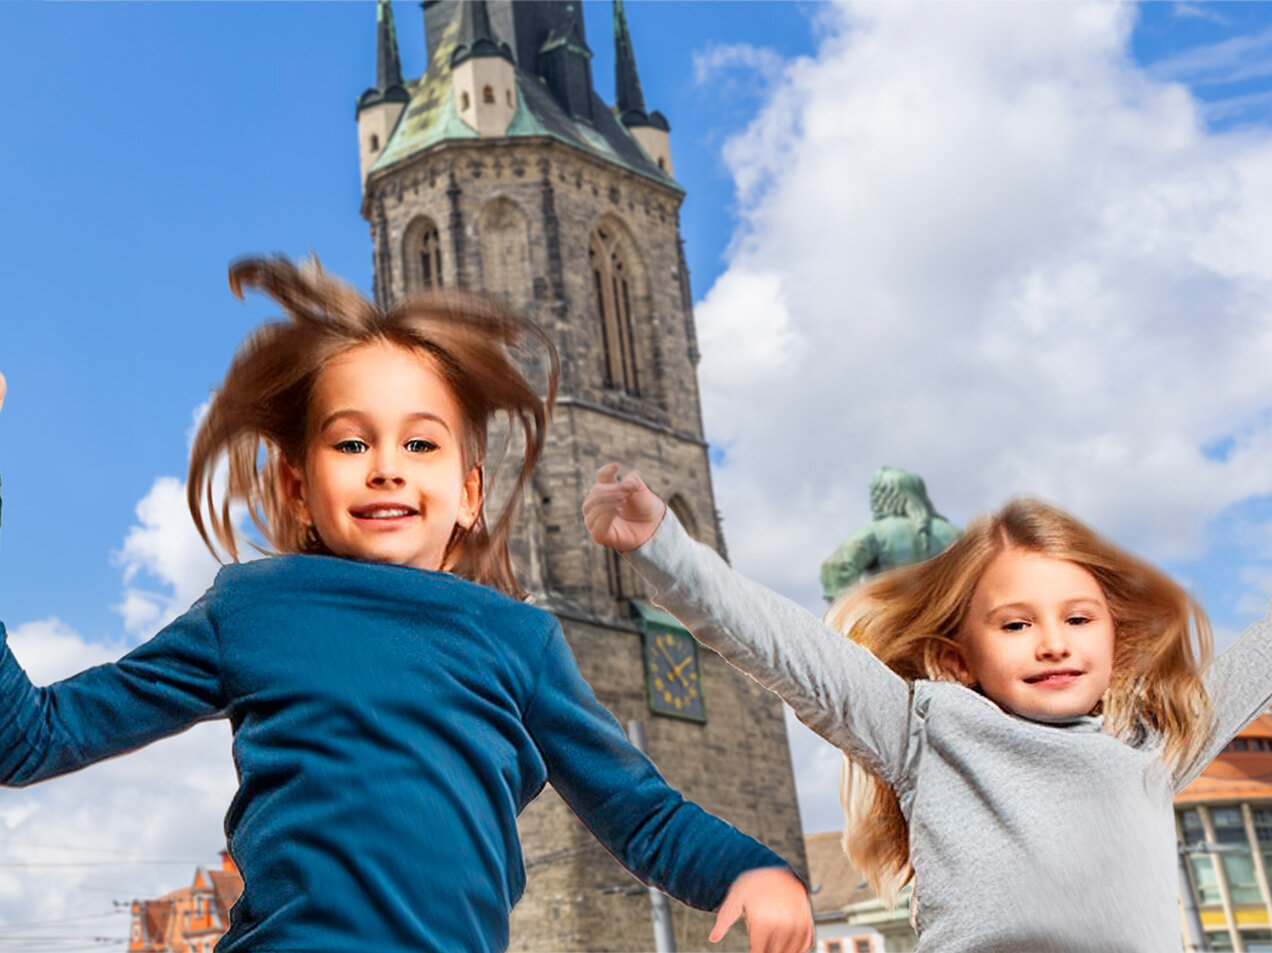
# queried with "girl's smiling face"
point(385, 477)
point(1038, 637)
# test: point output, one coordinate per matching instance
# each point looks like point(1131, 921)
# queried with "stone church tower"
point(502, 170)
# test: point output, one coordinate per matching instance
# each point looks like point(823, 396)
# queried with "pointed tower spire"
point(381, 106)
point(630, 100)
point(476, 39)
point(388, 86)
point(388, 67)
point(650, 129)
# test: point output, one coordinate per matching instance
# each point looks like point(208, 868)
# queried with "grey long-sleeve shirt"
point(1025, 837)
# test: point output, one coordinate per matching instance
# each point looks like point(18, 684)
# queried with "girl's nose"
point(384, 472)
point(1051, 642)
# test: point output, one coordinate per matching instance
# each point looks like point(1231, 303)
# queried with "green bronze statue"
point(906, 529)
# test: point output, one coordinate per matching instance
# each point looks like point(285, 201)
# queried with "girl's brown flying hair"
point(259, 418)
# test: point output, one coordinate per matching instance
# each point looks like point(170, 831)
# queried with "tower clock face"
point(671, 672)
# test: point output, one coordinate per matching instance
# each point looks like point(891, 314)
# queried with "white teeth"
point(385, 514)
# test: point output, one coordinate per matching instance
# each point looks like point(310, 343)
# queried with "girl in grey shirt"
point(1019, 714)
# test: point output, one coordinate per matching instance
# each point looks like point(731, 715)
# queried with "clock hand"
point(674, 672)
point(682, 665)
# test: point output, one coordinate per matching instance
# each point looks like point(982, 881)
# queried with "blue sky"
point(866, 255)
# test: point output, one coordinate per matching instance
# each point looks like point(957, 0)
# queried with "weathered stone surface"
point(517, 218)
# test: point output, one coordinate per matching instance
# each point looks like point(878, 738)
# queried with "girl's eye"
point(420, 446)
point(352, 445)
point(1077, 620)
point(1014, 626)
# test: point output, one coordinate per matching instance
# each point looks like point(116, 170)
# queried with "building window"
point(488, 94)
point(610, 284)
point(1240, 744)
point(614, 572)
point(1205, 881)
point(1220, 942)
point(1243, 886)
point(1229, 828)
point(422, 254)
point(1257, 941)
point(375, 143)
point(464, 102)
point(861, 946)
point(1190, 821)
point(508, 95)
point(834, 946)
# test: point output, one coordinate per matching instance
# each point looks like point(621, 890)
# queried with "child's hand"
point(624, 513)
point(775, 904)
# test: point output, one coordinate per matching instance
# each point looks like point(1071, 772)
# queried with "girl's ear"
point(955, 662)
point(470, 499)
point(291, 483)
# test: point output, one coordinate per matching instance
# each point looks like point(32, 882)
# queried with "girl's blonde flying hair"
point(258, 419)
point(910, 619)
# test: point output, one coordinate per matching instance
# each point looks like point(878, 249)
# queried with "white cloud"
point(165, 545)
point(984, 245)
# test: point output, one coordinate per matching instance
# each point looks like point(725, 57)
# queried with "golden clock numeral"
point(658, 685)
point(694, 676)
point(677, 704)
point(667, 697)
point(693, 692)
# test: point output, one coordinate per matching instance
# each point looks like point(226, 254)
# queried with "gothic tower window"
point(488, 94)
point(678, 506)
point(463, 102)
point(423, 256)
point(611, 282)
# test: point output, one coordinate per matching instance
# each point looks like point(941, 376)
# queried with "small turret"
point(483, 79)
point(380, 107)
point(651, 130)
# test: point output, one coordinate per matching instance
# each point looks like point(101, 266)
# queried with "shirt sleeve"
point(1239, 683)
point(835, 686)
point(158, 689)
point(619, 795)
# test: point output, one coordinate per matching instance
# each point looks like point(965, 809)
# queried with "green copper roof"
point(431, 118)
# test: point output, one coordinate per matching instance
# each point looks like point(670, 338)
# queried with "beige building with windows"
point(1224, 825)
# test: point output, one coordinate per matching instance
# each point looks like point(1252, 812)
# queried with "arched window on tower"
point(422, 255)
point(610, 283)
point(488, 94)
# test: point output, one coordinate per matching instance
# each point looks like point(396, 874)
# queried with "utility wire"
point(35, 924)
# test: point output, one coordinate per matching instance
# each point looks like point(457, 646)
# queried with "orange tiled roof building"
point(189, 920)
point(1224, 825)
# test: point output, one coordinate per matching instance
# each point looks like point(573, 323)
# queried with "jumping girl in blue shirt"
point(393, 706)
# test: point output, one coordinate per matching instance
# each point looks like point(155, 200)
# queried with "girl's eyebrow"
point(362, 417)
point(1026, 607)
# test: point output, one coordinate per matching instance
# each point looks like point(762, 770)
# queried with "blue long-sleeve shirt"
point(389, 725)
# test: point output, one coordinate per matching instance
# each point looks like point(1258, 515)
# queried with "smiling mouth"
point(383, 511)
point(1056, 678)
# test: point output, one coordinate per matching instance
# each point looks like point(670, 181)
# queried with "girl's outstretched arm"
point(1239, 683)
point(158, 689)
point(835, 686)
point(647, 825)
